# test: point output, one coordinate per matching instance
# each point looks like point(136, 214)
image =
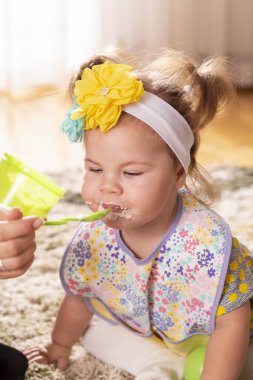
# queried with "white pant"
point(144, 358)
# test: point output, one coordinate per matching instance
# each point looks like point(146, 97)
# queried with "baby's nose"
point(110, 184)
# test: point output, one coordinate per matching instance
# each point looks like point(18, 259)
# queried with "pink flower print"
point(73, 284)
point(137, 276)
point(159, 292)
point(194, 303)
point(93, 224)
point(189, 271)
point(111, 232)
point(144, 288)
point(155, 267)
point(195, 242)
point(86, 236)
point(165, 301)
point(162, 309)
point(113, 241)
point(206, 283)
point(132, 268)
point(82, 291)
point(183, 233)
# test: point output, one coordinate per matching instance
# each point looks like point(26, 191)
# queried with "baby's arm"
point(228, 345)
point(72, 319)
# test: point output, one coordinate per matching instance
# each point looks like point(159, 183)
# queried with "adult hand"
point(17, 241)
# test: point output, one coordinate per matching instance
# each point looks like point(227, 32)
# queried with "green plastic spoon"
point(89, 218)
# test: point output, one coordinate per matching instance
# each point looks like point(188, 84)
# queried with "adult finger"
point(10, 213)
point(15, 247)
point(20, 261)
point(7, 274)
point(19, 227)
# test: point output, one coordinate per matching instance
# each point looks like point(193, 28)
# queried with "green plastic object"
point(23, 187)
point(88, 218)
point(194, 363)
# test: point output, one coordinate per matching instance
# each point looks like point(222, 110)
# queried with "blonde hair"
point(197, 91)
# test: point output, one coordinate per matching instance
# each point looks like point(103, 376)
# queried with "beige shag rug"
point(29, 304)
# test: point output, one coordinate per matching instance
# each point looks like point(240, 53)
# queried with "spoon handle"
point(88, 218)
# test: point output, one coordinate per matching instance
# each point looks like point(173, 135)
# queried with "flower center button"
point(104, 91)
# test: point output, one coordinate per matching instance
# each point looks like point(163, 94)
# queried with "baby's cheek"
point(88, 197)
point(84, 192)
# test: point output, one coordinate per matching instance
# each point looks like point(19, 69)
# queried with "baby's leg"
point(247, 373)
point(145, 358)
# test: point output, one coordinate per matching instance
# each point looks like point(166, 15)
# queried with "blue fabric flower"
point(73, 129)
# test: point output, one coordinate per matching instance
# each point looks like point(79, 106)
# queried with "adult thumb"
point(8, 213)
point(62, 363)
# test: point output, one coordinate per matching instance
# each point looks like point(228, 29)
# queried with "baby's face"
point(129, 169)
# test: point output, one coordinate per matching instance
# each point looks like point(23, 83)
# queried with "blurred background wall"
point(43, 41)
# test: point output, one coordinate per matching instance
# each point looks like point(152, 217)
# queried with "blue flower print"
point(140, 311)
point(162, 323)
point(205, 258)
point(88, 255)
point(80, 262)
point(160, 259)
point(167, 274)
point(211, 272)
point(80, 244)
point(116, 255)
point(123, 259)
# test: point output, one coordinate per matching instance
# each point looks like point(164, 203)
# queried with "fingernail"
point(17, 209)
point(38, 223)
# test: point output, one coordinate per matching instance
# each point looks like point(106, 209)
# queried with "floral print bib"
point(174, 291)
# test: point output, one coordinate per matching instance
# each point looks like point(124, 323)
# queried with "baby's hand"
point(54, 353)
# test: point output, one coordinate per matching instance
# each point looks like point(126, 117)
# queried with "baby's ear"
point(180, 177)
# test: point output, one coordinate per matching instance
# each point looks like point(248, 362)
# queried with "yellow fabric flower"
point(101, 92)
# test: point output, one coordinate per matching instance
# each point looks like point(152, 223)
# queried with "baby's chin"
point(124, 214)
point(119, 220)
point(117, 224)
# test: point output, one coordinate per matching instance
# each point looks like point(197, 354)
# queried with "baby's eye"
point(95, 170)
point(132, 173)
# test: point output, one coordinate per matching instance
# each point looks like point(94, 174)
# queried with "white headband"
point(167, 122)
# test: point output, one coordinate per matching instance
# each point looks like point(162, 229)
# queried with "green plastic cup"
point(194, 363)
point(23, 187)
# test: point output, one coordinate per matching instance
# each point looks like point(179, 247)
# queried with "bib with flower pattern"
point(174, 291)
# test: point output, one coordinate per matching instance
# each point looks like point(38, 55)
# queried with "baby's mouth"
point(117, 211)
point(114, 208)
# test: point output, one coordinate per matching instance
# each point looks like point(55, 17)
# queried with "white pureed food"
point(123, 213)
